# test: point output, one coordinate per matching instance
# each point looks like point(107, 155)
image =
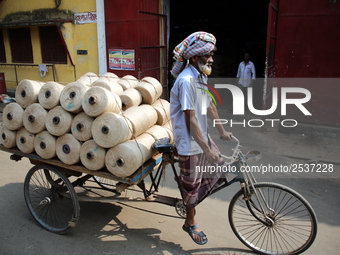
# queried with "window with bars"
point(2, 48)
point(21, 45)
point(52, 47)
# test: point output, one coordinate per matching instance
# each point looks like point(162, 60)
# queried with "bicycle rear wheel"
point(51, 199)
point(293, 227)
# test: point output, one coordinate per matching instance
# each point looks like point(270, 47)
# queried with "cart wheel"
point(105, 183)
point(181, 209)
point(51, 199)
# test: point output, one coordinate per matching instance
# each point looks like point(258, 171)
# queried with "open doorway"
point(239, 27)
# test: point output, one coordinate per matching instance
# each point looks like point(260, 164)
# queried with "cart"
point(268, 218)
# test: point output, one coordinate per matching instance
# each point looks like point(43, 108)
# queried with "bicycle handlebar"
point(235, 150)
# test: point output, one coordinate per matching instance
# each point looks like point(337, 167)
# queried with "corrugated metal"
point(307, 46)
point(140, 26)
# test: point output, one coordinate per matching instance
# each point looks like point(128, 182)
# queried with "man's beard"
point(205, 68)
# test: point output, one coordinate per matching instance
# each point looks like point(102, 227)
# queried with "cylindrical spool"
point(58, 121)
point(130, 97)
point(168, 128)
point(140, 118)
point(162, 108)
point(98, 100)
point(110, 75)
point(34, 118)
point(157, 132)
point(88, 78)
point(150, 89)
point(7, 137)
point(27, 92)
point(111, 86)
point(92, 156)
point(110, 129)
point(49, 94)
point(12, 116)
point(44, 145)
point(25, 140)
point(125, 158)
point(68, 149)
point(131, 79)
point(71, 96)
point(81, 127)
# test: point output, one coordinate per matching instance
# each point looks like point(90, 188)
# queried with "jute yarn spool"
point(58, 121)
point(92, 156)
point(44, 145)
point(25, 140)
point(88, 78)
point(150, 89)
point(98, 100)
point(27, 92)
point(140, 118)
point(34, 118)
point(133, 81)
point(72, 95)
point(12, 116)
point(110, 75)
point(110, 129)
point(130, 97)
point(8, 137)
point(49, 94)
point(125, 84)
point(162, 108)
point(112, 86)
point(81, 126)
point(125, 158)
point(68, 149)
point(168, 128)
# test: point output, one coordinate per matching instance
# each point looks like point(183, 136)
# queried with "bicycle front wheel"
point(290, 229)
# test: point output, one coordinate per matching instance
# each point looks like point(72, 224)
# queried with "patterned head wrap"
point(196, 44)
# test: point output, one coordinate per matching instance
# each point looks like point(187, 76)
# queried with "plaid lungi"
point(197, 185)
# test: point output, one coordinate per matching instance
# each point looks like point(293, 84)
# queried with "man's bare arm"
point(213, 114)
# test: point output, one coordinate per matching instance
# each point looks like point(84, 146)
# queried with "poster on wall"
point(121, 59)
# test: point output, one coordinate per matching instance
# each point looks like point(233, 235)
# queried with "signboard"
point(83, 18)
point(121, 59)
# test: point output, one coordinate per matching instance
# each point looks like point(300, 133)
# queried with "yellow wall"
point(77, 37)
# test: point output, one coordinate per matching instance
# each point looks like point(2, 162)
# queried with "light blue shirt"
point(187, 94)
point(246, 73)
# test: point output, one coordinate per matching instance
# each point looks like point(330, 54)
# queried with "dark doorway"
point(239, 27)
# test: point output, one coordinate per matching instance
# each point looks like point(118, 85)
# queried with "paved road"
point(150, 228)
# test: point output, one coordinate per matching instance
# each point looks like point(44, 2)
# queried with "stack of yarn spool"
point(97, 121)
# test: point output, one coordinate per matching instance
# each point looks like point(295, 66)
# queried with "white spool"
point(162, 108)
point(168, 128)
point(157, 132)
point(49, 94)
point(44, 145)
point(110, 129)
point(27, 92)
point(81, 127)
point(133, 81)
point(34, 118)
point(72, 95)
point(110, 75)
point(130, 97)
point(25, 140)
point(88, 78)
point(150, 89)
point(151, 112)
point(12, 116)
point(125, 84)
point(98, 100)
point(8, 137)
point(125, 158)
point(58, 121)
point(92, 156)
point(68, 149)
point(112, 86)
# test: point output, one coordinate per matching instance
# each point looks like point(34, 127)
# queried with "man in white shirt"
point(189, 123)
point(246, 72)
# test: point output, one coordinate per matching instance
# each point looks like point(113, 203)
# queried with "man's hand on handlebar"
point(226, 136)
point(211, 155)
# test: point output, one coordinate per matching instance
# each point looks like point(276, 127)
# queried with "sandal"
point(191, 230)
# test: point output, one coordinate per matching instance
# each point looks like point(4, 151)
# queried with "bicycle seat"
point(164, 146)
